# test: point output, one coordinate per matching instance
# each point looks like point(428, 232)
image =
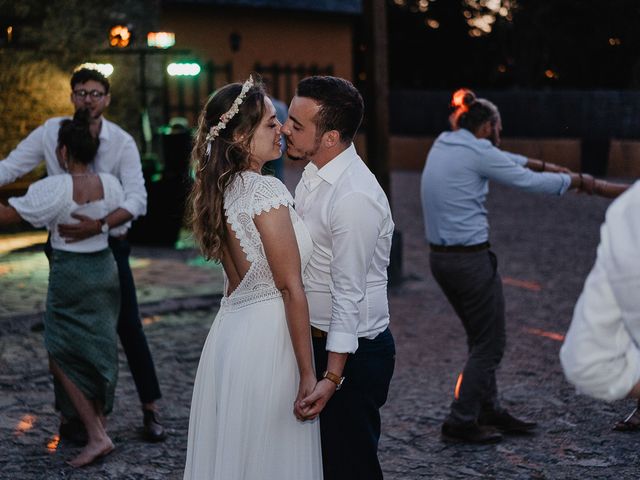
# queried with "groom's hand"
point(74, 232)
point(306, 387)
point(312, 405)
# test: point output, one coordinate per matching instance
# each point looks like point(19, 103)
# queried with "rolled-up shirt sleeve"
point(24, 158)
point(130, 175)
point(508, 169)
point(516, 158)
point(600, 354)
point(355, 227)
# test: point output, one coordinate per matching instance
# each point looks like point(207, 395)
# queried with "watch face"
point(105, 228)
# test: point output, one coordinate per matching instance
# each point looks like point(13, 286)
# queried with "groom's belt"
point(317, 333)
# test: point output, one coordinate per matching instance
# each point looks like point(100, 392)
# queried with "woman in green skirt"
point(83, 300)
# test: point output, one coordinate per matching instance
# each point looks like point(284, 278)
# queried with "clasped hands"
point(592, 186)
point(581, 182)
point(586, 183)
point(312, 397)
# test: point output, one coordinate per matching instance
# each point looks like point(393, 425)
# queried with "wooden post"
point(377, 91)
point(376, 109)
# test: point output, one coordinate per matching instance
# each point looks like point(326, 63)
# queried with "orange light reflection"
point(14, 242)
point(514, 282)
point(458, 99)
point(52, 446)
point(558, 337)
point(151, 320)
point(25, 424)
point(456, 393)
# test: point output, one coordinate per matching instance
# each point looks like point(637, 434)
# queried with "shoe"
point(505, 422)
point(153, 429)
point(630, 424)
point(469, 433)
point(73, 431)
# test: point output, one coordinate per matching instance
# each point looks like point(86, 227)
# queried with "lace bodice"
point(248, 195)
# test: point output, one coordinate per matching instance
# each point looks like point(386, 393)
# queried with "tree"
point(524, 43)
point(46, 41)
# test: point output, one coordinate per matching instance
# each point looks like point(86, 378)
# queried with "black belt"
point(460, 248)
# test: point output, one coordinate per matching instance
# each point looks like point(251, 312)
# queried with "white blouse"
point(601, 352)
point(49, 202)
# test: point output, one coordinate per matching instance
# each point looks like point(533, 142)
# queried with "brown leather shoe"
point(469, 433)
point(505, 422)
point(153, 429)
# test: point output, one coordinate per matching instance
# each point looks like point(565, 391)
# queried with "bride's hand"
point(307, 385)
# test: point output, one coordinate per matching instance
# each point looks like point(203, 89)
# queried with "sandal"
point(629, 424)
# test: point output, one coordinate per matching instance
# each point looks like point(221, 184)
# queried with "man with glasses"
point(118, 155)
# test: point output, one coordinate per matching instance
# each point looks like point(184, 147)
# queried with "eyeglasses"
point(94, 94)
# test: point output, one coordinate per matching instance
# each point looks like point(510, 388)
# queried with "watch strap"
point(332, 377)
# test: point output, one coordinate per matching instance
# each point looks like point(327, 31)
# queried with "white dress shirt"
point(348, 216)
point(601, 352)
point(117, 155)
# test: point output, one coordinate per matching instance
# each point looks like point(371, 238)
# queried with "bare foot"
point(92, 451)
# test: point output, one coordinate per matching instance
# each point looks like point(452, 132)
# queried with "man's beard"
point(90, 114)
point(305, 155)
point(495, 138)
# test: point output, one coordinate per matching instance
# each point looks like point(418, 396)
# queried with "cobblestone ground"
point(545, 246)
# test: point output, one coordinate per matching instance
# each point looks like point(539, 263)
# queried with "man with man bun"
point(454, 187)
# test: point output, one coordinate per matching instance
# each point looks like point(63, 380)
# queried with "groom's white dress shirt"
point(348, 216)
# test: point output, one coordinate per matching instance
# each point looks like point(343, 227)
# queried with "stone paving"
point(545, 246)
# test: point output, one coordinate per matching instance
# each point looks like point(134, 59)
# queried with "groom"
point(349, 219)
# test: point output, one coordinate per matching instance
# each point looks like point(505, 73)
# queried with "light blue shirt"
point(455, 183)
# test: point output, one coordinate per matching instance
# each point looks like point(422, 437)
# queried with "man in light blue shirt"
point(454, 186)
point(455, 183)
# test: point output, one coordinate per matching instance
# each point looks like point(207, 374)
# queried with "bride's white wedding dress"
point(242, 425)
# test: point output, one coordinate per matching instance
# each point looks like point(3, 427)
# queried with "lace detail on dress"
point(248, 195)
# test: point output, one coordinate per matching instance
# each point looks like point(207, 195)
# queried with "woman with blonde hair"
point(257, 359)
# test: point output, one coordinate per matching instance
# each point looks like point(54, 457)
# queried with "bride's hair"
point(218, 158)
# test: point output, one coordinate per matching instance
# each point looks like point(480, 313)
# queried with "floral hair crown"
point(229, 114)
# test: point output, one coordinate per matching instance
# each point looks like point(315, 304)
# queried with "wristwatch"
point(104, 226)
point(332, 377)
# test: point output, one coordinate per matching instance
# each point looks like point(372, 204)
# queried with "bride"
point(256, 361)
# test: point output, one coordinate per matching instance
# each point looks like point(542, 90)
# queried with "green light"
point(183, 69)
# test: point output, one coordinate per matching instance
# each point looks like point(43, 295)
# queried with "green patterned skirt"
point(83, 304)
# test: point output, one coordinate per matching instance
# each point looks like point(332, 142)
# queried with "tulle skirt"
point(242, 425)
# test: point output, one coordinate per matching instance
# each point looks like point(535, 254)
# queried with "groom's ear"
point(331, 138)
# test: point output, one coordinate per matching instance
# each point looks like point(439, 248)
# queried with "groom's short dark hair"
point(341, 105)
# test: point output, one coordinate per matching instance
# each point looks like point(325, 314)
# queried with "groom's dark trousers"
point(350, 422)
